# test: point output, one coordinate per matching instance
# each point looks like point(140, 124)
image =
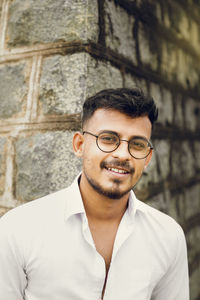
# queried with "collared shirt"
point(47, 253)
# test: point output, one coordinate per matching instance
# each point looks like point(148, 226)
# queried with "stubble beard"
point(112, 193)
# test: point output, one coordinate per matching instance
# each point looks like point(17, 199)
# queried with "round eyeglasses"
point(138, 147)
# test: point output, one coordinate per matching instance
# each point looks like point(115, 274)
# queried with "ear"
point(148, 159)
point(77, 143)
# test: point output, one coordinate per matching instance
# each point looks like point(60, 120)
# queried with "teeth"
point(117, 170)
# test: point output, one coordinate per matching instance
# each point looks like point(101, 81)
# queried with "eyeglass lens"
point(138, 147)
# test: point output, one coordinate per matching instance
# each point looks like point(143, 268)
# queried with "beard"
point(113, 192)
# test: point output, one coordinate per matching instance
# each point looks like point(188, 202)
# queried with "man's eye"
point(108, 139)
point(138, 145)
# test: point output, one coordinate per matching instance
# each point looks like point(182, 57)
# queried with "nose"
point(122, 151)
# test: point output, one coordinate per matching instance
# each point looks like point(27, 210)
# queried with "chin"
point(112, 192)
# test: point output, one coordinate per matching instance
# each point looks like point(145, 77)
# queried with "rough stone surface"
point(147, 56)
point(172, 201)
point(13, 89)
point(192, 204)
point(45, 163)
point(178, 65)
point(191, 107)
point(162, 152)
point(67, 80)
point(119, 30)
point(197, 154)
point(178, 119)
point(169, 60)
point(101, 75)
point(1, 8)
point(36, 21)
point(183, 164)
point(161, 96)
point(194, 284)
point(131, 82)
point(194, 36)
point(187, 72)
point(149, 176)
point(193, 243)
point(63, 83)
point(158, 202)
point(2, 164)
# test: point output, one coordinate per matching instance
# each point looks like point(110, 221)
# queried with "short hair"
point(131, 102)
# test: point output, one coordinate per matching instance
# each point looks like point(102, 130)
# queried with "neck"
point(100, 207)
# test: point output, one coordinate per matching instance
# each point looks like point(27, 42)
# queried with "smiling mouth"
point(117, 167)
point(118, 171)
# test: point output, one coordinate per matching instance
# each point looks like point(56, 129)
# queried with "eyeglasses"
point(107, 141)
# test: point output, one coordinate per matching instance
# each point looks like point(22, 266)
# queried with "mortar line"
point(31, 89)
point(8, 199)
point(85, 61)
point(36, 82)
point(3, 26)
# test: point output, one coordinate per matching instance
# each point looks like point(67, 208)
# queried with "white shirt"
point(47, 253)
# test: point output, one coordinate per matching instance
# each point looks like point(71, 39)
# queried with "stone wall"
point(55, 53)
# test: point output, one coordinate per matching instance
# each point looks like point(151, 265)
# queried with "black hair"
point(131, 102)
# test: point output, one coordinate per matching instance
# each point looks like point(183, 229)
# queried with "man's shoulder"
point(160, 221)
point(37, 210)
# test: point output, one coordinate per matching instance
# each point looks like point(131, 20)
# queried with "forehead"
point(113, 120)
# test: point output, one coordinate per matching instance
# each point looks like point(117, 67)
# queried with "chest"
point(66, 259)
point(104, 237)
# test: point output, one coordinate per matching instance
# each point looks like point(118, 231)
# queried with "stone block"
point(178, 65)
point(187, 70)
point(191, 107)
point(13, 89)
point(178, 119)
point(158, 202)
point(183, 163)
point(194, 283)
point(63, 83)
point(101, 75)
point(148, 47)
point(169, 62)
point(185, 28)
point(192, 201)
point(150, 175)
point(2, 164)
point(35, 21)
point(119, 27)
point(197, 154)
point(193, 244)
point(67, 80)
point(162, 152)
point(131, 82)
point(194, 37)
point(1, 2)
point(176, 14)
point(172, 201)
point(163, 100)
point(45, 163)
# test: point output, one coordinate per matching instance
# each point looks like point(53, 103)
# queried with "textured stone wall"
point(55, 53)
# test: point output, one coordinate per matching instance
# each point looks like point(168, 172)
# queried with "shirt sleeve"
point(174, 285)
point(12, 277)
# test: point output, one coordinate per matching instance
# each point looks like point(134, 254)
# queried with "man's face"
point(111, 174)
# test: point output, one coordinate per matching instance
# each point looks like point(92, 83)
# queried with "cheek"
point(139, 167)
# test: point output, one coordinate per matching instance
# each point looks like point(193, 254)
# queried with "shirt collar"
point(74, 203)
point(135, 205)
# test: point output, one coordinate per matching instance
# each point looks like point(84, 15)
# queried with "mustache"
point(117, 163)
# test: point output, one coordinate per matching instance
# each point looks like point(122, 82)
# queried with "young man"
point(95, 240)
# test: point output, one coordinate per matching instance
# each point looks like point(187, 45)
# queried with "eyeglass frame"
point(121, 140)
